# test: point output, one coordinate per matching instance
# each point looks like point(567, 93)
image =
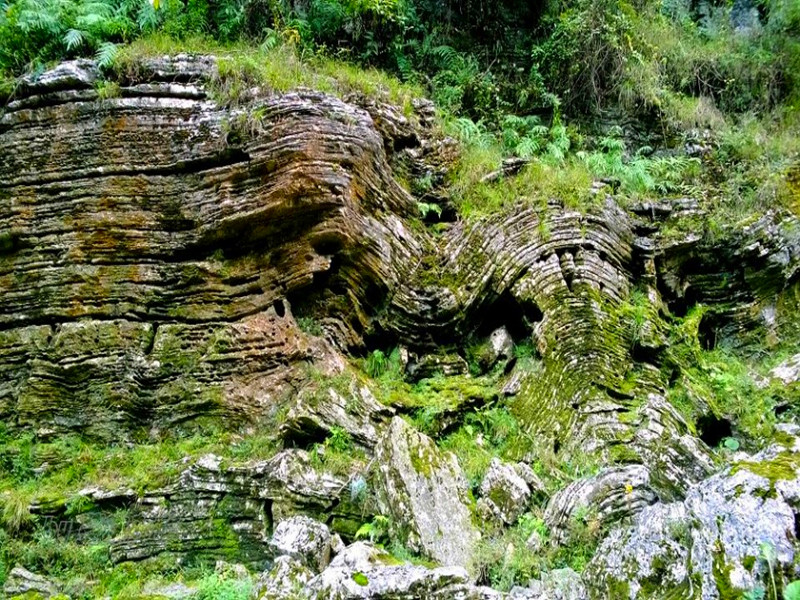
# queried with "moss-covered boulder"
point(733, 534)
point(426, 495)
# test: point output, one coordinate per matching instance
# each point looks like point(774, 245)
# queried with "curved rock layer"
point(157, 251)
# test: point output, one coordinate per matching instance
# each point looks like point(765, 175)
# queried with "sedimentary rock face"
point(170, 263)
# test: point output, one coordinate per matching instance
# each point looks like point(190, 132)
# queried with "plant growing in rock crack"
point(376, 363)
point(377, 530)
point(337, 454)
point(768, 554)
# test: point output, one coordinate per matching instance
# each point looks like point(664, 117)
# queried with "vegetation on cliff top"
point(707, 93)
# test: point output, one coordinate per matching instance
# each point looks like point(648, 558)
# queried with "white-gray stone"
point(505, 493)
point(426, 493)
point(304, 539)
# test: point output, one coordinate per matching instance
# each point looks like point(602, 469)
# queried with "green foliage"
point(376, 530)
point(310, 326)
point(376, 364)
point(219, 587)
point(504, 559)
point(792, 591)
point(485, 434)
point(337, 454)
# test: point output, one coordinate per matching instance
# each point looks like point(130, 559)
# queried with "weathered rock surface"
point(156, 261)
point(217, 511)
point(718, 541)
point(425, 493)
point(21, 583)
point(362, 571)
point(304, 539)
point(611, 495)
point(504, 492)
point(288, 579)
point(168, 263)
point(559, 584)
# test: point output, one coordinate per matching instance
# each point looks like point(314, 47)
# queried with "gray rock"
point(425, 492)
point(500, 348)
point(363, 571)
point(559, 584)
point(72, 74)
point(21, 581)
point(173, 591)
point(430, 365)
point(506, 493)
point(287, 580)
point(609, 496)
point(788, 371)
point(305, 539)
point(318, 410)
point(535, 542)
point(535, 483)
point(713, 540)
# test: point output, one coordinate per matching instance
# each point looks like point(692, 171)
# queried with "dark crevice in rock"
point(516, 316)
point(713, 430)
point(151, 339)
point(303, 433)
point(707, 330)
point(268, 518)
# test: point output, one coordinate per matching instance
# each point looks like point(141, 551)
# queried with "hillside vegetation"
point(612, 90)
point(551, 103)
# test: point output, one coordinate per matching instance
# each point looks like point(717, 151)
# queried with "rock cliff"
point(170, 263)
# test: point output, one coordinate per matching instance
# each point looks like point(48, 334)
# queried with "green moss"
point(783, 467)
point(424, 458)
point(722, 578)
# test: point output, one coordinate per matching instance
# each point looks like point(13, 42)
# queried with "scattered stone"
point(364, 571)
point(22, 583)
point(288, 579)
point(535, 542)
point(560, 584)
point(506, 493)
point(305, 539)
point(172, 591)
point(788, 371)
point(536, 485)
point(513, 384)
point(497, 349)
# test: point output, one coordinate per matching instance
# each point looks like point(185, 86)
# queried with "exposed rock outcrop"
point(611, 495)
point(424, 491)
point(218, 511)
point(169, 263)
point(21, 583)
point(725, 537)
point(505, 494)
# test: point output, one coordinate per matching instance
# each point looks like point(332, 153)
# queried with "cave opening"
point(507, 311)
point(304, 434)
point(713, 429)
point(707, 330)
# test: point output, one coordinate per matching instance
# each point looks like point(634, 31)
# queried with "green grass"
point(278, 68)
point(503, 559)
